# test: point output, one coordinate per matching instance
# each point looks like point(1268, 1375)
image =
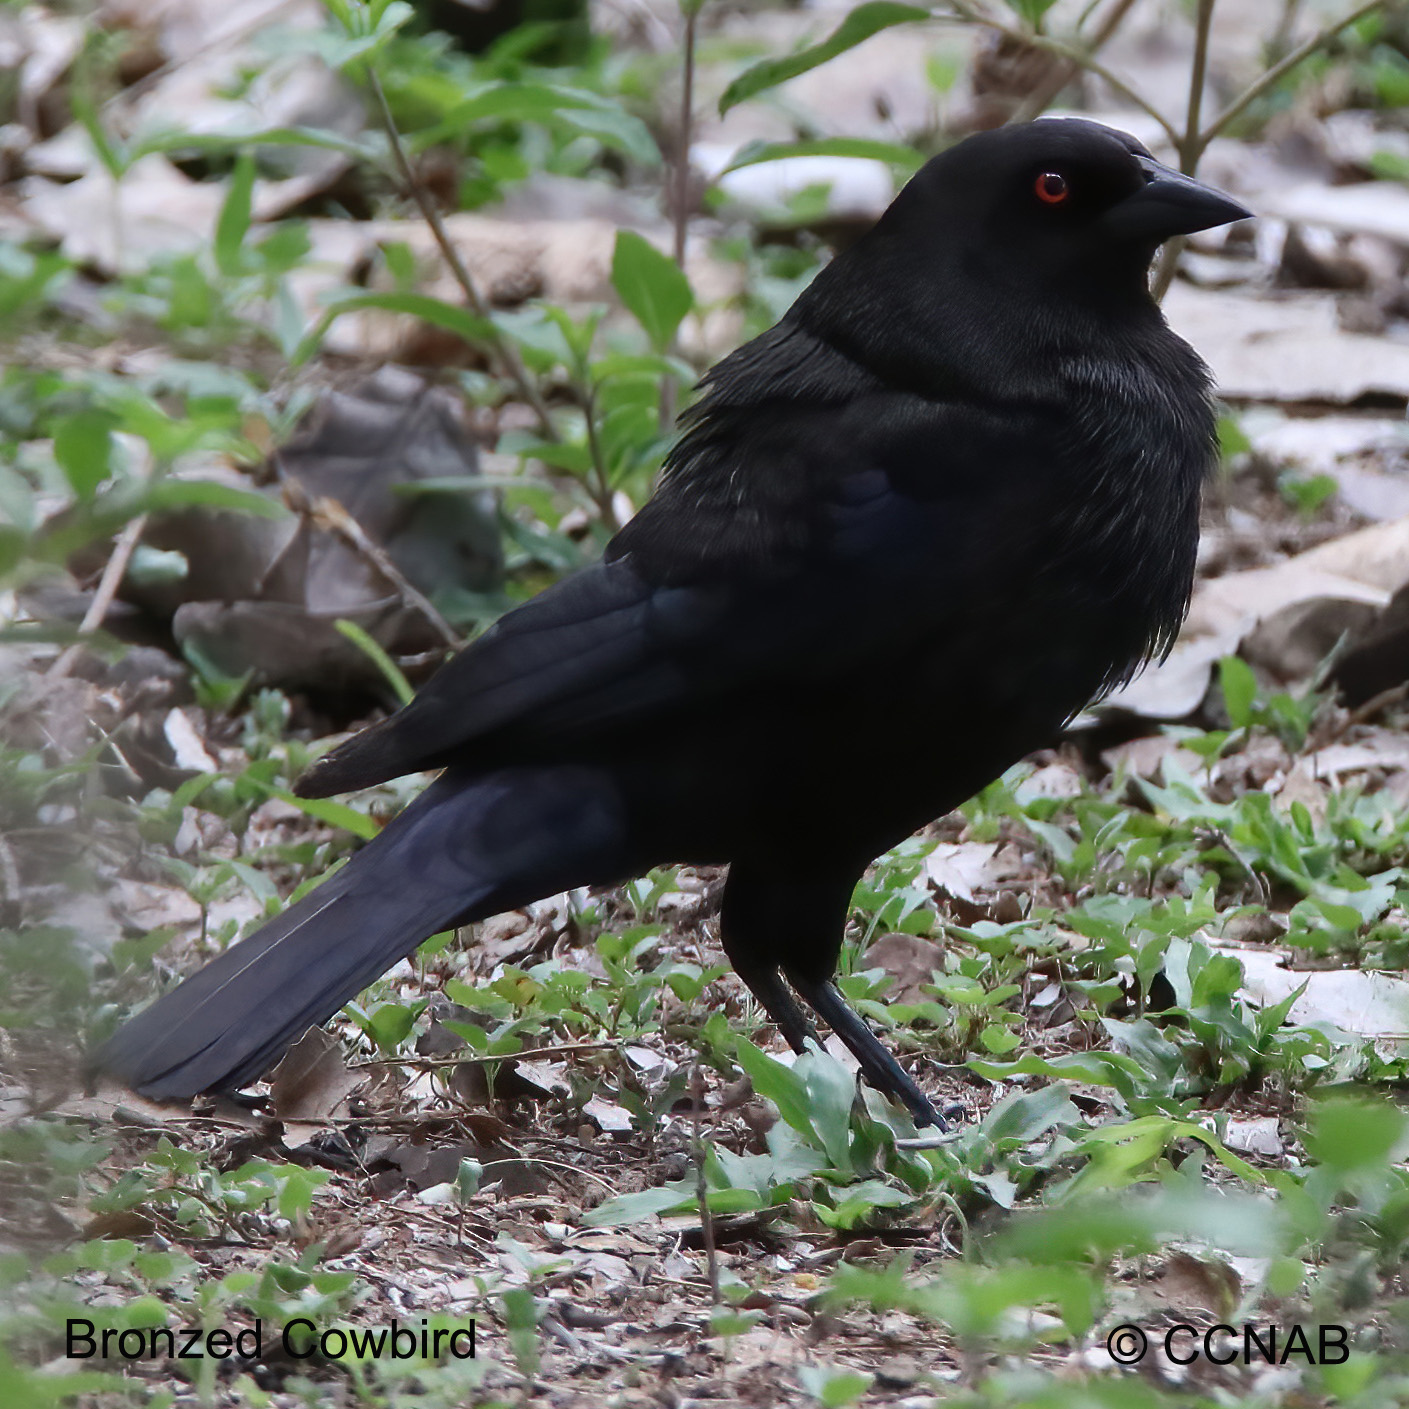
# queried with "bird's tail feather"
point(455, 855)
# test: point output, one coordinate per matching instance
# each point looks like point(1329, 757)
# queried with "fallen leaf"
point(1285, 350)
point(313, 1080)
point(960, 869)
point(1257, 1137)
point(1373, 1005)
point(1365, 567)
point(909, 960)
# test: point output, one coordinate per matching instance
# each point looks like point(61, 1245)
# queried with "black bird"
point(907, 533)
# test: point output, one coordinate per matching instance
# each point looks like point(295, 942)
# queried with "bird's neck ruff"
point(965, 327)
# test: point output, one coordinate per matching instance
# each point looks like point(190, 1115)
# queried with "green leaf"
point(391, 672)
point(834, 1388)
point(614, 128)
point(998, 1039)
point(110, 150)
point(856, 28)
point(892, 153)
point(436, 311)
point(1031, 10)
point(1232, 439)
point(234, 220)
point(210, 494)
point(391, 1024)
point(551, 104)
point(652, 286)
point(777, 1083)
point(1350, 1134)
point(831, 1093)
point(733, 1323)
point(632, 1208)
point(652, 366)
point(366, 147)
point(368, 28)
point(83, 446)
point(296, 1190)
point(1239, 686)
point(324, 809)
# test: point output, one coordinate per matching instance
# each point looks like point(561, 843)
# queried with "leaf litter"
point(554, 1135)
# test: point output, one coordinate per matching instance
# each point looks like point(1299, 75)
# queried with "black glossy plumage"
point(907, 533)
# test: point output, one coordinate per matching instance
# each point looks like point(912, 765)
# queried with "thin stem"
point(682, 158)
point(1191, 148)
point(602, 496)
point(1081, 57)
point(1190, 145)
point(328, 513)
point(1115, 84)
point(697, 1094)
point(504, 351)
point(1036, 102)
point(680, 213)
point(1282, 38)
point(1196, 139)
point(108, 584)
point(1278, 71)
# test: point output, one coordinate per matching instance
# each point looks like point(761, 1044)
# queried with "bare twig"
point(1363, 714)
point(329, 514)
point(108, 584)
point(1279, 71)
point(602, 495)
point(681, 212)
point(469, 1059)
point(1037, 101)
point(1081, 57)
point(680, 202)
point(697, 1094)
point(504, 351)
point(1191, 148)
point(1190, 145)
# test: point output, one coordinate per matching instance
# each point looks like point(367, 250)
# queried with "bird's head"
point(1011, 236)
point(1060, 195)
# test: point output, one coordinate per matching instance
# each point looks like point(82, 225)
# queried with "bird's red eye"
point(1051, 188)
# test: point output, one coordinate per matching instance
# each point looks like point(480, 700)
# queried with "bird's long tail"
point(466, 848)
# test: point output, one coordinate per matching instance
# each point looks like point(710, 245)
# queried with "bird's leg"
point(775, 920)
point(778, 1002)
point(877, 1065)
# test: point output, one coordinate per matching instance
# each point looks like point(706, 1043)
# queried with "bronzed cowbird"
point(950, 498)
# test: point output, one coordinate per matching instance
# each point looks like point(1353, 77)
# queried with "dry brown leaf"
point(1261, 1136)
point(1285, 350)
point(1373, 1005)
point(909, 960)
point(1363, 567)
point(156, 210)
point(313, 1081)
point(961, 869)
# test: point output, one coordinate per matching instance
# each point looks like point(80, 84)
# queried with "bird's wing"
point(710, 591)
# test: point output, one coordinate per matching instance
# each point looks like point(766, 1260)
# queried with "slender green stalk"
point(1078, 57)
point(680, 201)
point(681, 212)
point(1037, 102)
point(1190, 145)
point(505, 353)
point(1191, 148)
point(601, 491)
point(1279, 71)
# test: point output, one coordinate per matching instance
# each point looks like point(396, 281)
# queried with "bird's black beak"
point(1170, 203)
